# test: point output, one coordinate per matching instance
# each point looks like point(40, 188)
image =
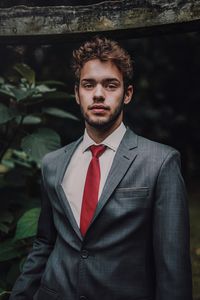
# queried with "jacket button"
point(83, 298)
point(84, 254)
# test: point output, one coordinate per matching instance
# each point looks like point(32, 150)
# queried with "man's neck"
point(99, 135)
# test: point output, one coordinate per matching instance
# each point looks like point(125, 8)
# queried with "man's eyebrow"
point(88, 80)
point(111, 80)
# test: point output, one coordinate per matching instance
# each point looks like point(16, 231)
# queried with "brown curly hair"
point(106, 50)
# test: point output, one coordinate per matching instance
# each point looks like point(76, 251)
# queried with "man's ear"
point(76, 94)
point(128, 94)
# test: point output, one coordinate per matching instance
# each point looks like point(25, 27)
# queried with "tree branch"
point(107, 16)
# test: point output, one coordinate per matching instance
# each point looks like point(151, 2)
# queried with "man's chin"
point(100, 124)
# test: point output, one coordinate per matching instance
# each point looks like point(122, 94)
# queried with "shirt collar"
point(112, 141)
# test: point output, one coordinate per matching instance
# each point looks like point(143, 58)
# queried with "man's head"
point(103, 72)
point(105, 50)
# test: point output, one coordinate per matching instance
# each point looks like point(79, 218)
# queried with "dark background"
point(165, 105)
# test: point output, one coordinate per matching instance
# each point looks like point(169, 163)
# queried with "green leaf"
point(26, 72)
point(19, 154)
point(8, 163)
point(6, 114)
point(10, 250)
point(20, 158)
point(53, 111)
point(30, 120)
point(3, 169)
point(4, 295)
point(44, 89)
point(2, 80)
point(37, 144)
point(23, 95)
point(6, 93)
point(27, 224)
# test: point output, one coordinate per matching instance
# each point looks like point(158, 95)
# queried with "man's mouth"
point(98, 108)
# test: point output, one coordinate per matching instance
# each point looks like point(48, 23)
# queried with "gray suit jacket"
point(137, 245)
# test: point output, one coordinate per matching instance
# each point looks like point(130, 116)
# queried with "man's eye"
point(88, 86)
point(111, 86)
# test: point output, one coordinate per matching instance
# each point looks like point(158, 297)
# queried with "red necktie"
point(91, 189)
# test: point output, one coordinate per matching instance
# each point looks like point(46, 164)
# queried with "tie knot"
point(97, 150)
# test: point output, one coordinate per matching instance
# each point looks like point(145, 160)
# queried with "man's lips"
point(99, 109)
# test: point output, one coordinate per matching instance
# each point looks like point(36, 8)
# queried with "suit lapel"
point(65, 159)
point(63, 163)
point(124, 157)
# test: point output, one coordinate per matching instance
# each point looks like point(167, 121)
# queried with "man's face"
point(101, 94)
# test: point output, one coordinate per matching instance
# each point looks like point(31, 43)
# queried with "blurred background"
point(38, 114)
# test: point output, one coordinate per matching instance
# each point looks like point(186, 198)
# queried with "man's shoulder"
point(149, 145)
point(56, 154)
point(154, 149)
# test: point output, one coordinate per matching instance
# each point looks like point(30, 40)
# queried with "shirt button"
point(83, 298)
point(84, 254)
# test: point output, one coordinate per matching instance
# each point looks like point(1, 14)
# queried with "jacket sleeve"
point(171, 233)
point(29, 280)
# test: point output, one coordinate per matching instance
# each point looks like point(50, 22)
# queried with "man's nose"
point(99, 93)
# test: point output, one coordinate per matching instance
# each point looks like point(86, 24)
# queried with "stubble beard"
point(105, 124)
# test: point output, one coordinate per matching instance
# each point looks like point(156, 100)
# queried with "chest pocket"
point(132, 192)
point(133, 197)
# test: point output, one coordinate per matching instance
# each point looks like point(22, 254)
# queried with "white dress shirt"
point(75, 175)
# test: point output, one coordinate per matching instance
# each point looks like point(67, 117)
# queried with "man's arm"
point(171, 233)
point(29, 280)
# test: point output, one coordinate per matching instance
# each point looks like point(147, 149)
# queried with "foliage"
point(25, 137)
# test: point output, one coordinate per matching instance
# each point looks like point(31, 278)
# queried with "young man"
point(114, 219)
